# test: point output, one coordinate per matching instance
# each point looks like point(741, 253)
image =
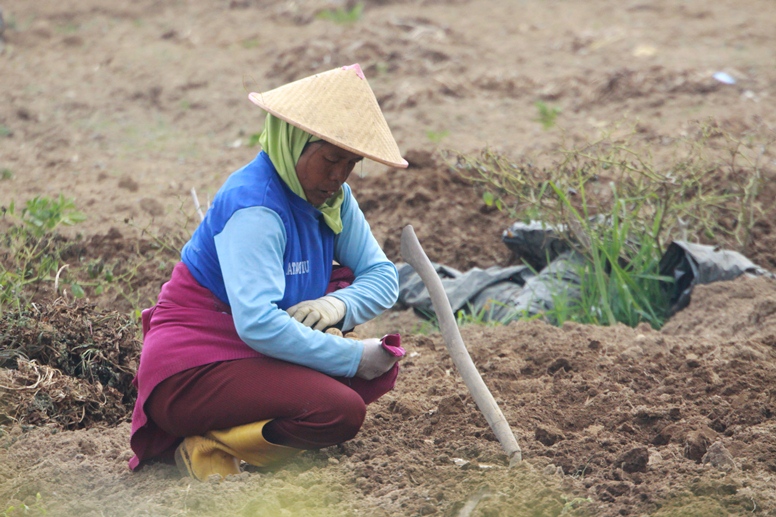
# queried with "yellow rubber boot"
point(248, 443)
point(202, 457)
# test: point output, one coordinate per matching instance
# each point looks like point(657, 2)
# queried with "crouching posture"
point(235, 362)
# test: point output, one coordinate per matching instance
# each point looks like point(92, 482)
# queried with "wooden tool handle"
point(413, 254)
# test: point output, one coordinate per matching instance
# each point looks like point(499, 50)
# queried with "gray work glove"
point(318, 314)
point(375, 361)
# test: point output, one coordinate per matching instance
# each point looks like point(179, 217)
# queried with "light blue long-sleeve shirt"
point(250, 251)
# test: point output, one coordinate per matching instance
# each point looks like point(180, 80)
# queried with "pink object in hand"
point(392, 344)
point(379, 386)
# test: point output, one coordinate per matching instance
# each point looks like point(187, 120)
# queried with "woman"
point(235, 365)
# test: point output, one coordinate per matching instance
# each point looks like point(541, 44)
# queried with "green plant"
point(425, 328)
point(618, 210)
point(437, 136)
point(485, 316)
point(343, 15)
point(33, 253)
point(42, 215)
point(250, 43)
point(429, 324)
point(573, 503)
point(6, 174)
point(565, 306)
point(36, 508)
point(382, 68)
point(5, 131)
point(547, 114)
point(490, 200)
point(33, 256)
point(68, 28)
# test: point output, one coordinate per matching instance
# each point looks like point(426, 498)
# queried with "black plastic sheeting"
point(506, 293)
point(497, 293)
point(692, 264)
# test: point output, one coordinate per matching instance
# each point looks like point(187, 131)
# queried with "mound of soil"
point(610, 420)
point(451, 221)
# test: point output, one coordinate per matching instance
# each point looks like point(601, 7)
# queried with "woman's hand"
point(375, 361)
point(318, 314)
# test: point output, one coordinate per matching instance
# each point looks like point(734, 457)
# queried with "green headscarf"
point(284, 144)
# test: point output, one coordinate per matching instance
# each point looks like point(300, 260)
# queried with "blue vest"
point(309, 251)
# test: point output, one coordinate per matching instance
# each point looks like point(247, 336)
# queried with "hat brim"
point(256, 99)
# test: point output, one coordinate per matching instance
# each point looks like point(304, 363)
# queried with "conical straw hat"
point(339, 107)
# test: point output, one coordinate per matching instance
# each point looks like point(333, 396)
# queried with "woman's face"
point(322, 169)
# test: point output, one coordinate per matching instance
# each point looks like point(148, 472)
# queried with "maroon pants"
point(309, 409)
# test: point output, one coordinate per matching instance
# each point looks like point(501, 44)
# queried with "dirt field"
point(125, 106)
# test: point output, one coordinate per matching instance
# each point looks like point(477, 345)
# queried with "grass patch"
point(547, 114)
point(614, 206)
point(36, 507)
point(343, 15)
point(250, 43)
point(33, 254)
point(68, 28)
point(437, 136)
point(38, 263)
